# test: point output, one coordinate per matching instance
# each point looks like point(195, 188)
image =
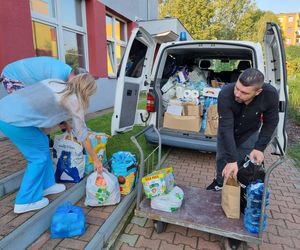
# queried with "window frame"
point(112, 40)
point(60, 26)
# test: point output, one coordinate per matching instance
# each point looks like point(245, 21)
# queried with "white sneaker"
point(55, 189)
point(23, 208)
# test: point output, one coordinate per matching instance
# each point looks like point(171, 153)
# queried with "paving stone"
point(139, 221)
point(176, 229)
point(148, 243)
point(190, 241)
point(130, 239)
point(73, 244)
point(168, 237)
point(127, 247)
point(204, 244)
point(147, 232)
point(167, 246)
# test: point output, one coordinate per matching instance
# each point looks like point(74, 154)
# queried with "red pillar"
point(96, 30)
point(16, 31)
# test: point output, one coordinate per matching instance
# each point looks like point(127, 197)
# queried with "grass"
point(294, 153)
point(119, 142)
point(294, 98)
point(294, 113)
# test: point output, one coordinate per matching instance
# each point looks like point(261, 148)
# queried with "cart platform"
point(200, 210)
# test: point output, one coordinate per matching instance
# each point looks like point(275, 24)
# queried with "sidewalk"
point(197, 169)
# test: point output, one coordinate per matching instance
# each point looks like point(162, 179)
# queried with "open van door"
point(277, 76)
point(134, 76)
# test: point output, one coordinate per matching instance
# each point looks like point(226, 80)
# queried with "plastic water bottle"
point(253, 209)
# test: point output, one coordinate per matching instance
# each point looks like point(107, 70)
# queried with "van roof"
point(233, 42)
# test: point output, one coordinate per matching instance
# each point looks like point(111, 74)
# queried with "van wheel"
point(160, 226)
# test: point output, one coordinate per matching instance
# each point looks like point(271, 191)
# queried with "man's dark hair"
point(252, 77)
point(79, 70)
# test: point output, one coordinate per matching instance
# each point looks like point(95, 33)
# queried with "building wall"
point(16, 31)
point(290, 23)
point(142, 10)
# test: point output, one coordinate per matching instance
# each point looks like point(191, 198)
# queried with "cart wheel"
point(159, 226)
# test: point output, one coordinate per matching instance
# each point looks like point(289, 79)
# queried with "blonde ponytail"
point(83, 86)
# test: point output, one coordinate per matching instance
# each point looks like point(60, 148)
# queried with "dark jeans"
point(243, 150)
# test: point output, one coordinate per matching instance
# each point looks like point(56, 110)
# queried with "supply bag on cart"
point(231, 198)
point(212, 121)
point(98, 141)
point(102, 189)
point(124, 166)
point(68, 158)
point(248, 173)
point(67, 221)
point(168, 202)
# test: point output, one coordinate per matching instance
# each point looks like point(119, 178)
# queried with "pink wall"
point(95, 14)
point(16, 32)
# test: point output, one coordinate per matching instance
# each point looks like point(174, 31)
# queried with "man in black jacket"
point(248, 117)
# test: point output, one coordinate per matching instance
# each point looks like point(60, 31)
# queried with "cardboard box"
point(187, 123)
point(190, 109)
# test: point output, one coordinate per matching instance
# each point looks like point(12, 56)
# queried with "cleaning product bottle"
point(253, 209)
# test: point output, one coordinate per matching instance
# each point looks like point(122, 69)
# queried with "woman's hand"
point(97, 162)
point(98, 166)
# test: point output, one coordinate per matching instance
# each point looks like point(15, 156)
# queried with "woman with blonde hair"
point(27, 113)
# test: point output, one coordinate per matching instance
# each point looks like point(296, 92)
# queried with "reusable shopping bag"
point(67, 221)
point(102, 189)
point(68, 158)
point(248, 173)
point(231, 198)
point(212, 121)
point(168, 202)
point(98, 141)
point(124, 166)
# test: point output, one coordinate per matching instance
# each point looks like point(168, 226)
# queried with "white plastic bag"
point(168, 202)
point(68, 158)
point(103, 194)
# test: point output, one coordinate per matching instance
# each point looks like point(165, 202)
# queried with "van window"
point(222, 65)
point(137, 54)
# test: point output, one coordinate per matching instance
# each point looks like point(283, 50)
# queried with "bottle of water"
point(253, 209)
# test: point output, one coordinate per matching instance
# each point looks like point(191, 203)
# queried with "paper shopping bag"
point(212, 121)
point(231, 198)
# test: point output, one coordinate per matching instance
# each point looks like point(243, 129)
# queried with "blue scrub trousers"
point(39, 173)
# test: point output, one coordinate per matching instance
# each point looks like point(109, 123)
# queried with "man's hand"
point(98, 166)
point(257, 156)
point(230, 170)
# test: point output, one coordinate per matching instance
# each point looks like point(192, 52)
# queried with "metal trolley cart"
point(201, 209)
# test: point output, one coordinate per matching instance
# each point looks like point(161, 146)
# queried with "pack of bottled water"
point(253, 209)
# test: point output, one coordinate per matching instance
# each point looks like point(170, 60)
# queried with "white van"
point(138, 73)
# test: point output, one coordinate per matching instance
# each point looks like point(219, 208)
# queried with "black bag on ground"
point(249, 172)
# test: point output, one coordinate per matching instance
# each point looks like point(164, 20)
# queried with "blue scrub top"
point(35, 69)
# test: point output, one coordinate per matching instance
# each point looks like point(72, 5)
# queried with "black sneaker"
point(214, 186)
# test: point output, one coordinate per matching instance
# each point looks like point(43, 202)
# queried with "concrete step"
point(101, 223)
point(23, 229)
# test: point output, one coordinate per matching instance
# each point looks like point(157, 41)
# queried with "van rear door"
point(277, 76)
point(134, 76)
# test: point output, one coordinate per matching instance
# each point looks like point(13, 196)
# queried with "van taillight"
point(150, 102)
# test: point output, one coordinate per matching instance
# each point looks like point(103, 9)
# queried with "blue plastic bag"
point(124, 166)
point(67, 221)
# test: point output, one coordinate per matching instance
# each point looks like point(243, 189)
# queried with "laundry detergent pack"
point(158, 182)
